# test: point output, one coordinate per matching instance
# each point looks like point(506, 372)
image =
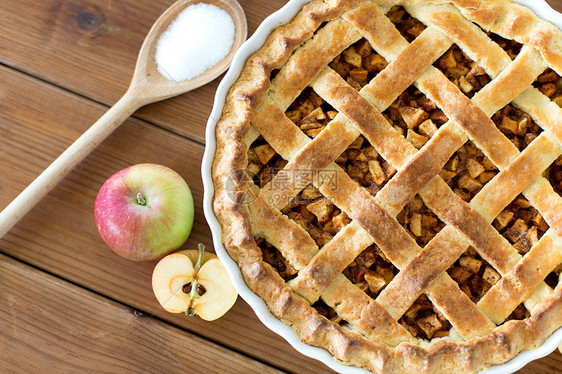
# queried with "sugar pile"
point(197, 39)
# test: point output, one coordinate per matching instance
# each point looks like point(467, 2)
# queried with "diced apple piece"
point(503, 219)
point(448, 61)
point(470, 263)
point(264, 153)
point(357, 143)
point(460, 274)
point(314, 116)
point(429, 325)
point(469, 184)
point(548, 89)
point(377, 172)
point(359, 74)
point(508, 125)
point(322, 208)
point(416, 139)
point(310, 192)
point(486, 176)
point(522, 203)
point(371, 152)
point(474, 168)
point(352, 57)
point(447, 175)
point(375, 282)
point(415, 224)
point(491, 276)
point(428, 128)
point(465, 85)
point(412, 116)
point(375, 62)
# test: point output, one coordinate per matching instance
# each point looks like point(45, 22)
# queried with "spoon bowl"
point(147, 86)
point(155, 85)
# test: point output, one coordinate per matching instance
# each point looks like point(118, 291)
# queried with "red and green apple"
point(144, 211)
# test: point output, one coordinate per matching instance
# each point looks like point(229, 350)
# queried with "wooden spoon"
point(147, 86)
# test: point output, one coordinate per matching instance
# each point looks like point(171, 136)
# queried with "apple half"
point(195, 283)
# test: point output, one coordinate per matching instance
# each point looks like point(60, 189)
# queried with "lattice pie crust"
point(388, 178)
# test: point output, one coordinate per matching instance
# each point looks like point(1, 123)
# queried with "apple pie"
point(388, 177)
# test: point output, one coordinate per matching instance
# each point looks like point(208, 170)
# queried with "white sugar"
point(197, 39)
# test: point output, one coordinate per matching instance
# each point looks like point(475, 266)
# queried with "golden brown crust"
point(377, 341)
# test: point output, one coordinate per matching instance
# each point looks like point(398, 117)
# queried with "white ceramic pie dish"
point(282, 16)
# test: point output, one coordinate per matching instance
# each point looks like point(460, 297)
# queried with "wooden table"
point(67, 303)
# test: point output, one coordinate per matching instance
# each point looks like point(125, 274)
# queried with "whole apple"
point(144, 211)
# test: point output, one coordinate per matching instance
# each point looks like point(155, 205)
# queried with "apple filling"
point(517, 126)
point(465, 73)
point(409, 27)
point(420, 222)
point(371, 271)
point(474, 275)
point(263, 162)
point(316, 214)
point(424, 321)
point(462, 71)
point(550, 84)
point(310, 113)
point(554, 175)
point(415, 116)
point(365, 166)
point(467, 171)
point(272, 256)
point(358, 64)
point(521, 224)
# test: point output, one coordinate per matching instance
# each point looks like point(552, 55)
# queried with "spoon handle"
point(77, 151)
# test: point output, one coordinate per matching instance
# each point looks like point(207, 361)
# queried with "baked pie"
point(388, 176)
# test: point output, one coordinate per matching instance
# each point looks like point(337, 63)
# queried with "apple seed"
point(200, 289)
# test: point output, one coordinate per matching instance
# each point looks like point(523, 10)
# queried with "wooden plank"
point(91, 48)
point(549, 364)
point(47, 324)
point(38, 121)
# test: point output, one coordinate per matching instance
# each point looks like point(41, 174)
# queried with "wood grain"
point(59, 235)
point(88, 49)
point(47, 325)
point(97, 42)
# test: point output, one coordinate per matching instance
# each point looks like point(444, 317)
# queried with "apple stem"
point(140, 199)
point(198, 264)
point(194, 294)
